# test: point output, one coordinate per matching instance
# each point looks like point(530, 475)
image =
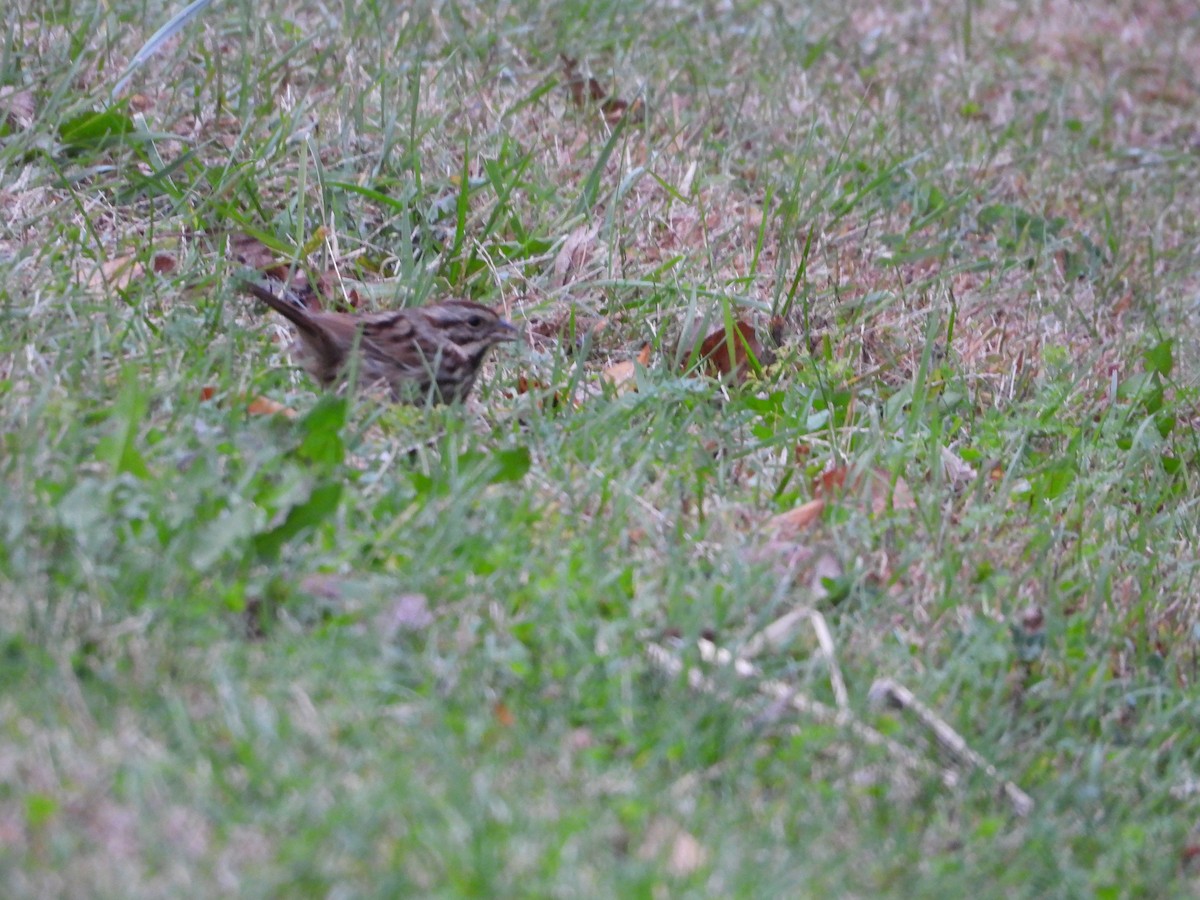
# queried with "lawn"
point(831, 530)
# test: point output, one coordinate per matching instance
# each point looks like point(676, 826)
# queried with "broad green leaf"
point(92, 128)
point(322, 427)
point(1160, 358)
point(321, 504)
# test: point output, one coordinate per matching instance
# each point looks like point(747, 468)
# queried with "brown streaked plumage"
point(426, 354)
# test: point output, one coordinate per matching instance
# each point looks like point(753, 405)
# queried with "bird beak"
point(506, 331)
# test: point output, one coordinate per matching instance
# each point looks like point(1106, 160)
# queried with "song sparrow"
point(426, 354)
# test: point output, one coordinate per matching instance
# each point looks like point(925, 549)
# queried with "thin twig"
point(664, 660)
point(897, 695)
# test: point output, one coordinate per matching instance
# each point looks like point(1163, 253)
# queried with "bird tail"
point(291, 306)
point(287, 303)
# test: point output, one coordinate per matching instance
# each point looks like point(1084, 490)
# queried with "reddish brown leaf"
point(796, 520)
point(830, 482)
point(1032, 619)
point(252, 252)
point(503, 715)
point(258, 406)
point(874, 489)
point(581, 87)
point(718, 360)
point(587, 91)
point(524, 385)
point(622, 375)
point(263, 406)
point(616, 109)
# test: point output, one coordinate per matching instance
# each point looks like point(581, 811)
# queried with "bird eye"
point(475, 321)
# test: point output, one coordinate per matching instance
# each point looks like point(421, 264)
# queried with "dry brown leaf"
point(797, 520)
point(749, 349)
point(884, 495)
point(544, 397)
point(324, 586)
point(830, 482)
point(956, 470)
point(582, 88)
point(622, 375)
point(116, 273)
point(615, 109)
point(163, 264)
point(503, 715)
point(18, 107)
point(874, 487)
point(684, 854)
point(574, 254)
point(119, 272)
point(586, 91)
point(570, 326)
point(408, 612)
point(252, 252)
point(827, 568)
point(264, 406)
point(258, 406)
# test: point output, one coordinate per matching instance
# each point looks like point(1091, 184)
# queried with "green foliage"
point(403, 651)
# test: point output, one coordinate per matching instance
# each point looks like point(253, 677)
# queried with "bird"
point(424, 355)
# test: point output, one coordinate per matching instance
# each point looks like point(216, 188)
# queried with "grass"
point(389, 651)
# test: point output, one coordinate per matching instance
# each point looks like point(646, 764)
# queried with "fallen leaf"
point(569, 326)
point(119, 272)
point(18, 107)
point(408, 612)
point(1033, 618)
point(586, 91)
point(885, 495)
point(252, 252)
point(582, 88)
point(830, 481)
point(957, 471)
point(684, 854)
point(264, 406)
point(827, 568)
point(616, 109)
point(116, 273)
point(622, 375)
point(874, 487)
point(574, 255)
point(503, 715)
point(796, 520)
point(258, 406)
point(749, 352)
point(524, 385)
point(163, 264)
point(324, 586)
